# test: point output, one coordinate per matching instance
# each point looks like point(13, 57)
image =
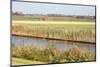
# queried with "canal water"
point(45, 43)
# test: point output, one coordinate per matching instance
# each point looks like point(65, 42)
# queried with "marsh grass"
point(53, 32)
point(50, 54)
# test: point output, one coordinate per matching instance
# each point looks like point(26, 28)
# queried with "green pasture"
point(65, 26)
point(20, 61)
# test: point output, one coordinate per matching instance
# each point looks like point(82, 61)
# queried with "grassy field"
point(66, 26)
point(20, 61)
point(61, 31)
point(80, 31)
point(63, 26)
point(57, 24)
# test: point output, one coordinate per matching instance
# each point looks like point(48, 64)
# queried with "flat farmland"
point(61, 30)
point(64, 30)
point(57, 24)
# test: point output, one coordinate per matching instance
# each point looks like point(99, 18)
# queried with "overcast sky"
point(44, 8)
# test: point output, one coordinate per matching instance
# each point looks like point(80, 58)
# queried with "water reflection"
point(44, 43)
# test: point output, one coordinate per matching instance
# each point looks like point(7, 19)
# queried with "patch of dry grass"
point(78, 34)
point(51, 54)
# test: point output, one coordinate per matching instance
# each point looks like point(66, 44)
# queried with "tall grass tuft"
point(59, 33)
point(50, 54)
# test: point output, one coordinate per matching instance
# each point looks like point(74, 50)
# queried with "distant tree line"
point(54, 15)
point(17, 13)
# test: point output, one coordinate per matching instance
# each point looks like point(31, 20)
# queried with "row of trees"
point(54, 15)
point(17, 13)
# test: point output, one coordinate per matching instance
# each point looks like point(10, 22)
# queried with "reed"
point(50, 54)
point(87, 35)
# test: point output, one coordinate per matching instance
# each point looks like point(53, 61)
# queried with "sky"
point(44, 8)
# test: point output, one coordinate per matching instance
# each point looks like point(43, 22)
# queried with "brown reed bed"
point(87, 35)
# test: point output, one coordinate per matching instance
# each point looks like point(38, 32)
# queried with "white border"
point(5, 33)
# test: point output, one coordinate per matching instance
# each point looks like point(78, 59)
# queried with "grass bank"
point(20, 61)
point(60, 31)
point(49, 55)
